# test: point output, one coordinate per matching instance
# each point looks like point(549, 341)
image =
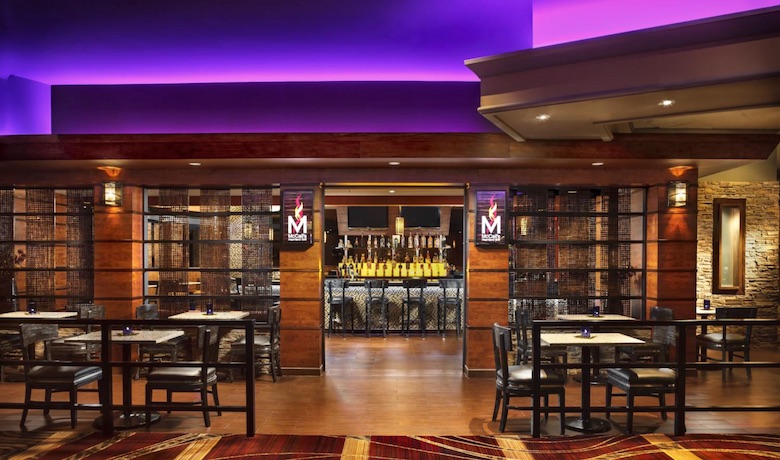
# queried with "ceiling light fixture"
point(666, 103)
point(194, 163)
point(543, 117)
point(597, 163)
point(395, 163)
point(391, 191)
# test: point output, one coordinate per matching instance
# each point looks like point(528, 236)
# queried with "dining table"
point(585, 422)
point(39, 315)
point(217, 315)
point(126, 418)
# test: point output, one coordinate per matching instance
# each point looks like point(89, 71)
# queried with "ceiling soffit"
point(723, 75)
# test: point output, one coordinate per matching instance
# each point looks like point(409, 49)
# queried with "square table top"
point(216, 315)
point(39, 315)
point(140, 336)
point(597, 338)
point(701, 311)
point(602, 317)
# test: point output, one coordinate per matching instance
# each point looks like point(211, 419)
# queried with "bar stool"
point(449, 298)
point(376, 298)
point(414, 298)
point(337, 293)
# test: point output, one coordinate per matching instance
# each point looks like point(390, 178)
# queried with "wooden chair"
point(449, 298)
point(267, 345)
point(524, 349)
point(415, 298)
point(376, 298)
point(657, 348)
point(200, 377)
point(338, 302)
point(729, 342)
point(655, 382)
point(51, 377)
point(78, 351)
point(516, 381)
point(171, 350)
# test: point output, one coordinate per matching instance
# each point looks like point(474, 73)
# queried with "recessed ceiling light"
point(598, 163)
point(666, 103)
point(194, 163)
point(543, 117)
point(395, 163)
point(391, 191)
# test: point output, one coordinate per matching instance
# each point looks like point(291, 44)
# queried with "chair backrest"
point(663, 334)
point(502, 346)
point(274, 322)
point(410, 285)
point(450, 288)
point(32, 334)
point(372, 286)
point(522, 322)
point(738, 313)
point(208, 341)
point(339, 285)
point(147, 311)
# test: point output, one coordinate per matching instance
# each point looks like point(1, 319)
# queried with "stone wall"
point(762, 240)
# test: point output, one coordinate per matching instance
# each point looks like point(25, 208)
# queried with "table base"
point(592, 425)
point(124, 421)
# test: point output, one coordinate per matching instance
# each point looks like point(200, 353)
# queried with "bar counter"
point(395, 294)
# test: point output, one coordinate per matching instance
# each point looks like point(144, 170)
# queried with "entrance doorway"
point(394, 237)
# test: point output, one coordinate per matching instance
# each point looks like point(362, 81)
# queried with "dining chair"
point(338, 302)
point(170, 350)
point(449, 298)
point(657, 348)
point(267, 344)
point(10, 347)
point(516, 381)
point(376, 298)
point(415, 298)
point(656, 382)
point(524, 347)
point(199, 377)
point(79, 351)
point(51, 377)
point(729, 340)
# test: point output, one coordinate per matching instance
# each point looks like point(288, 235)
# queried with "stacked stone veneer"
point(762, 240)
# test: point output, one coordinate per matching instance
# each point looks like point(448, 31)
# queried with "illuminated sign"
point(491, 218)
point(297, 217)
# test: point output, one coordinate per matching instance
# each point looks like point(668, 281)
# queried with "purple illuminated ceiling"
point(178, 41)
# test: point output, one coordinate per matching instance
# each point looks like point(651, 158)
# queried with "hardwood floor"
point(400, 386)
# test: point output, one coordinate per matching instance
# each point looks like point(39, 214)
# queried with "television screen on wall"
point(421, 216)
point(367, 217)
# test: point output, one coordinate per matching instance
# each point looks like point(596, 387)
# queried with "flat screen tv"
point(421, 216)
point(367, 217)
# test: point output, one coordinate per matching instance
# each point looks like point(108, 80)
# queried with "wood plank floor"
point(400, 386)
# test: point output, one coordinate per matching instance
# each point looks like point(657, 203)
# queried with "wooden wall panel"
point(676, 255)
point(301, 351)
point(301, 297)
point(479, 356)
point(489, 285)
point(483, 313)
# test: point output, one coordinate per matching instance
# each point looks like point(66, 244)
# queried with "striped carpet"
point(196, 446)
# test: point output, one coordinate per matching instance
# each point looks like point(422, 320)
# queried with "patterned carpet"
point(195, 446)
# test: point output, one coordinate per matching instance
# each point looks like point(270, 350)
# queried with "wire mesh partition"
point(210, 246)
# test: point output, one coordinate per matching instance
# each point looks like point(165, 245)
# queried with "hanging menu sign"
point(297, 217)
point(491, 218)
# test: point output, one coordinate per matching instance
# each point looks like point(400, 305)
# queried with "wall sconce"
point(677, 193)
point(112, 193)
point(399, 225)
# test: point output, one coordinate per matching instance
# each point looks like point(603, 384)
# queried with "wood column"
point(119, 253)
point(486, 297)
point(671, 256)
point(301, 297)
